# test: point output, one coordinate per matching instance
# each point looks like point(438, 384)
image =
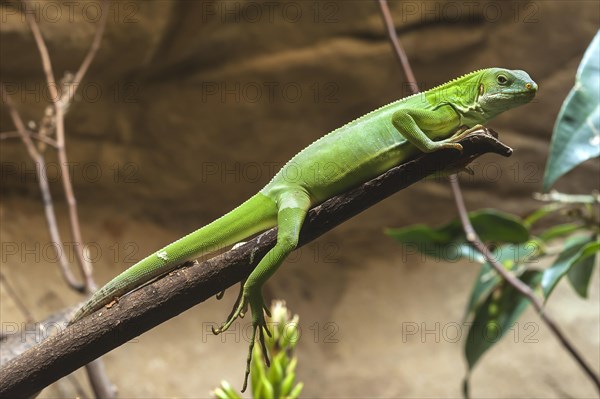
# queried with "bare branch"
point(96, 372)
point(86, 268)
point(555, 196)
point(34, 135)
point(101, 385)
point(59, 109)
point(400, 53)
point(91, 54)
point(41, 45)
point(41, 171)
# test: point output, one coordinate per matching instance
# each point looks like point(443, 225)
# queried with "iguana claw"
point(252, 297)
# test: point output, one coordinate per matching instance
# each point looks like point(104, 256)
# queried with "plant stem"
point(470, 232)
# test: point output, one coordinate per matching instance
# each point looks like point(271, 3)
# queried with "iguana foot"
point(448, 144)
point(258, 308)
point(464, 132)
point(451, 142)
point(441, 145)
point(239, 309)
point(252, 297)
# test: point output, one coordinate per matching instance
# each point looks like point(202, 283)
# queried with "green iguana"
point(358, 151)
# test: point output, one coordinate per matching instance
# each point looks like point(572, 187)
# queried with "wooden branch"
point(41, 170)
point(155, 303)
point(60, 101)
point(15, 134)
point(44, 54)
point(398, 49)
point(89, 57)
point(95, 370)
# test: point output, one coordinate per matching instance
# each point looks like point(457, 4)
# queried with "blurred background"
point(189, 107)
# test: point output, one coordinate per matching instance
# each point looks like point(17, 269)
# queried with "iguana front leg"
point(293, 205)
point(441, 122)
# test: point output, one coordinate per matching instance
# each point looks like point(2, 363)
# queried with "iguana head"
point(502, 89)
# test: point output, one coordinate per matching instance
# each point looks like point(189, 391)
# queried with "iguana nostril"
point(531, 86)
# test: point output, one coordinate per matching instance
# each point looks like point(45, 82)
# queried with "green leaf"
point(296, 391)
point(588, 250)
point(576, 136)
point(581, 272)
point(540, 213)
point(466, 251)
point(432, 242)
point(225, 391)
point(496, 316)
point(257, 371)
point(570, 255)
point(276, 374)
point(287, 383)
point(448, 242)
point(267, 389)
point(495, 226)
point(487, 280)
point(219, 394)
point(510, 256)
point(277, 380)
point(560, 230)
point(292, 366)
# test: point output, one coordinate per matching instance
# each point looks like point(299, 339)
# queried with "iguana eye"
point(502, 79)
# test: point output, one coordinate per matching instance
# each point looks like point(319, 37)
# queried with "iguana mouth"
point(526, 95)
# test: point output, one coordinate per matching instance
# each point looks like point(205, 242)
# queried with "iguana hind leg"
point(293, 206)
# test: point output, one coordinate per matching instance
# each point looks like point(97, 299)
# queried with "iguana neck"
point(462, 94)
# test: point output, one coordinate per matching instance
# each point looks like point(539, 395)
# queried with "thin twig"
point(99, 381)
point(43, 49)
point(96, 372)
point(46, 126)
point(16, 135)
point(563, 198)
point(59, 108)
point(470, 232)
point(41, 171)
point(91, 54)
point(86, 269)
point(514, 281)
point(29, 318)
point(400, 53)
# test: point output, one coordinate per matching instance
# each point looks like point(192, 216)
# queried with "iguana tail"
point(256, 214)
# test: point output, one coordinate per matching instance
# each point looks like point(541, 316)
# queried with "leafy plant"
point(277, 381)
point(576, 136)
point(520, 244)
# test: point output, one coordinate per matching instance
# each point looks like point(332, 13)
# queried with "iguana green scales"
point(360, 150)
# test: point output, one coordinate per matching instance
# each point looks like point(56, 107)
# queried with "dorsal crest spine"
point(422, 93)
